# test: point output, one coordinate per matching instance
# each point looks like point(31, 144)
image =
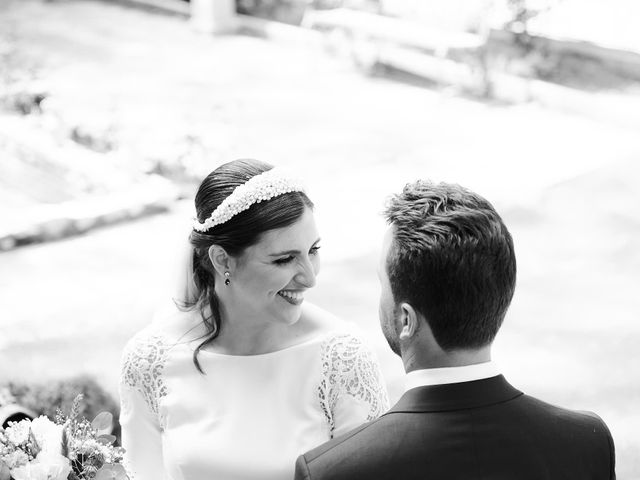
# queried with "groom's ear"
point(220, 259)
point(409, 321)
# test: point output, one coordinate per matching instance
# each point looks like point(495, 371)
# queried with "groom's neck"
point(422, 358)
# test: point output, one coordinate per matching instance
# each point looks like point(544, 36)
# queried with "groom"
point(448, 273)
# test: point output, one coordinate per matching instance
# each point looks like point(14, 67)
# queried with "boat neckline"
point(314, 339)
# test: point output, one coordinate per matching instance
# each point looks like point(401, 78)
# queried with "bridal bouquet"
point(71, 448)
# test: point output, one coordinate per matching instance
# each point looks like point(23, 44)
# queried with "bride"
point(245, 375)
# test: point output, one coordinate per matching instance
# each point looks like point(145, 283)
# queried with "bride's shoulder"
point(167, 327)
point(319, 320)
point(147, 352)
point(330, 327)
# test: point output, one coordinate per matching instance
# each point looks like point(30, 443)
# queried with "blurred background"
point(112, 111)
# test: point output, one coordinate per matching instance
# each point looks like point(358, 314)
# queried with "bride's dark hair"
point(235, 235)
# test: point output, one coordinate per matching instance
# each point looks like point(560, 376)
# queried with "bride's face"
point(272, 276)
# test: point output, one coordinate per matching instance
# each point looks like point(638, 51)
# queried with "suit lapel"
point(456, 396)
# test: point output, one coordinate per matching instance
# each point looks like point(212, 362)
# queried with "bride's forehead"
point(296, 235)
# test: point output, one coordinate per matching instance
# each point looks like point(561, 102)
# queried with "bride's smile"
point(293, 297)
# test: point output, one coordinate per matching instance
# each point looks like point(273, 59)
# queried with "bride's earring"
point(227, 281)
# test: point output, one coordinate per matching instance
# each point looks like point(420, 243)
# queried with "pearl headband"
point(259, 188)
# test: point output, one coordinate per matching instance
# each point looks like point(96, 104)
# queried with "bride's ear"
point(220, 259)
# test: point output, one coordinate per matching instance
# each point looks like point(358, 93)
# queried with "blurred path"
point(567, 187)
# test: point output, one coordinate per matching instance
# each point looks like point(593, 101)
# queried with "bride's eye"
point(314, 250)
point(284, 260)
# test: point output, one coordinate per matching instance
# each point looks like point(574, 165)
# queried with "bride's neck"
point(242, 333)
point(235, 339)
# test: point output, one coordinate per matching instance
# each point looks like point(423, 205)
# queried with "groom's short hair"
point(452, 259)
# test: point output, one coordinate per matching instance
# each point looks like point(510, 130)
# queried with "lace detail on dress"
point(350, 368)
point(142, 368)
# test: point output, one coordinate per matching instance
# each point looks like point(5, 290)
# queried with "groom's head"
point(448, 263)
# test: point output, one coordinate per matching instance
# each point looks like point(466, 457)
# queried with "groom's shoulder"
point(561, 418)
point(542, 423)
point(361, 453)
point(550, 410)
point(562, 434)
point(566, 430)
point(367, 434)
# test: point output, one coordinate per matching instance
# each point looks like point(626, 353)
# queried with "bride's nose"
point(306, 275)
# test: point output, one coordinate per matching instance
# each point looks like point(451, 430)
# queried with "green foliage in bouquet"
point(89, 445)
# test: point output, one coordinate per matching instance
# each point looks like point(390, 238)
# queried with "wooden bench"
point(391, 29)
point(405, 44)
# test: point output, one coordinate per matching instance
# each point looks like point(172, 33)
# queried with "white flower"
point(46, 466)
point(47, 434)
point(18, 432)
point(87, 447)
point(16, 459)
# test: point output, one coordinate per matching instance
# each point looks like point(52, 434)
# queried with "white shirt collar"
point(441, 376)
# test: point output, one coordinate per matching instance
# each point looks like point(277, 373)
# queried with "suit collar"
point(440, 376)
point(456, 396)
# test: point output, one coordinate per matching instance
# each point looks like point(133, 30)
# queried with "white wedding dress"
point(249, 417)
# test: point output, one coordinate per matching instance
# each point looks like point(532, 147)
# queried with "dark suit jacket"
point(484, 429)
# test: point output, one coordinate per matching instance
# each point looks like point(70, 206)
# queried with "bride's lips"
point(294, 297)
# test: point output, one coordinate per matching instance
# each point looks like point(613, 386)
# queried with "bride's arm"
point(139, 418)
point(352, 390)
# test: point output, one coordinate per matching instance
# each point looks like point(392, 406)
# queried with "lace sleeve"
point(351, 390)
point(141, 389)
